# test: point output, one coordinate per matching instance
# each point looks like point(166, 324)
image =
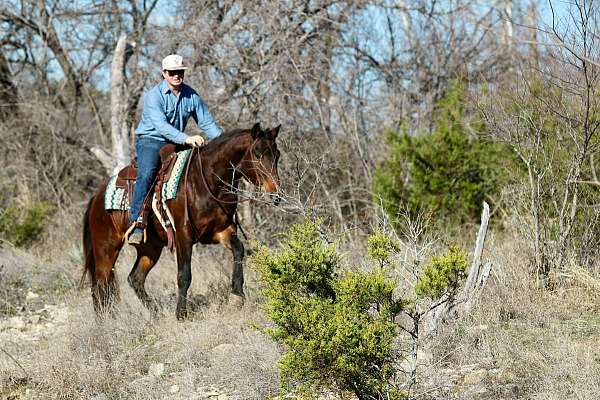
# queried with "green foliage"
point(23, 226)
point(448, 172)
point(381, 247)
point(442, 274)
point(338, 330)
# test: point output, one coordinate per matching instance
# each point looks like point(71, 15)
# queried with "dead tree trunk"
point(120, 122)
point(8, 91)
point(532, 22)
point(476, 280)
point(120, 125)
point(506, 11)
point(477, 271)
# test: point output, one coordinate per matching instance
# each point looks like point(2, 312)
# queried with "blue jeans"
point(148, 163)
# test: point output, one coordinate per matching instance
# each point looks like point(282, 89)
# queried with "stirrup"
point(130, 230)
point(136, 238)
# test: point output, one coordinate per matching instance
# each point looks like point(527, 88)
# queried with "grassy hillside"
point(520, 342)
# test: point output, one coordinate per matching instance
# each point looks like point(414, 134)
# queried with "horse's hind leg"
point(102, 244)
point(105, 289)
point(147, 255)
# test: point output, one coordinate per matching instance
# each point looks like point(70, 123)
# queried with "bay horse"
point(204, 211)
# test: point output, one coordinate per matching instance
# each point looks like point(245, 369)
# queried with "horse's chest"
point(212, 221)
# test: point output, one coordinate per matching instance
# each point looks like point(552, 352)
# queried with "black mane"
point(226, 136)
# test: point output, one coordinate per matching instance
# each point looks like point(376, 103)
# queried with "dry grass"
point(53, 347)
point(217, 349)
point(520, 342)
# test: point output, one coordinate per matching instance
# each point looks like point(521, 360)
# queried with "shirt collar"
point(164, 87)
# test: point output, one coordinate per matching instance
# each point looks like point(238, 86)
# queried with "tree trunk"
point(120, 123)
point(532, 17)
point(476, 280)
point(8, 91)
point(506, 10)
point(475, 272)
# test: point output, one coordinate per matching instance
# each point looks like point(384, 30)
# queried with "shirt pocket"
point(188, 109)
point(170, 114)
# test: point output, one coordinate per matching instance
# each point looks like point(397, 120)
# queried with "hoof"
point(181, 313)
point(235, 301)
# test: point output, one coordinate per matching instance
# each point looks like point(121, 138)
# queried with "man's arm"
point(205, 120)
point(152, 105)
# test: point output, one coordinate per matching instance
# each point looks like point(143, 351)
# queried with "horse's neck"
point(222, 167)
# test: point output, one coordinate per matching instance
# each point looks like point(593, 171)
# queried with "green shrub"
point(381, 247)
point(442, 274)
point(448, 172)
point(338, 330)
point(23, 226)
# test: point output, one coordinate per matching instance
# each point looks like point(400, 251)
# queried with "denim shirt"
point(165, 115)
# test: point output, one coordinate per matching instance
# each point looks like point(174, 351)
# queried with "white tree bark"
point(506, 10)
point(476, 280)
point(407, 23)
point(532, 23)
point(104, 157)
point(475, 273)
point(120, 126)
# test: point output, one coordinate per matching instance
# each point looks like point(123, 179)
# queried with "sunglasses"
point(179, 72)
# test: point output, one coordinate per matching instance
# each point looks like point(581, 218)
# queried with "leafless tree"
point(56, 57)
point(548, 118)
point(426, 45)
point(8, 90)
point(335, 74)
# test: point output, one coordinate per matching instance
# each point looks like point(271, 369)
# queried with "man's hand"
point(195, 141)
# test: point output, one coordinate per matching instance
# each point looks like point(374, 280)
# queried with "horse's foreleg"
point(237, 278)
point(184, 274)
point(147, 255)
point(229, 239)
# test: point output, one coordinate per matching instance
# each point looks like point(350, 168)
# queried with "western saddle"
point(127, 176)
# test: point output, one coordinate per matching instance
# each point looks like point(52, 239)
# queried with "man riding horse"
point(202, 209)
point(167, 108)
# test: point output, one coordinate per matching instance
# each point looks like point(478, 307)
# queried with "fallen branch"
point(14, 360)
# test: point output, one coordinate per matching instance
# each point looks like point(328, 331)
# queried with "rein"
point(206, 182)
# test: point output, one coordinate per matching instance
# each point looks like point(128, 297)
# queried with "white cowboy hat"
point(173, 62)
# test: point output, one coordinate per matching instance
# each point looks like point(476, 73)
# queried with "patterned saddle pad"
point(116, 198)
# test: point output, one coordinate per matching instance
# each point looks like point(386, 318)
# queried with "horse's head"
point(260, 163)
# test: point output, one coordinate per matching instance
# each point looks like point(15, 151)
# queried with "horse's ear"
point(256, 130)
point(275, 131)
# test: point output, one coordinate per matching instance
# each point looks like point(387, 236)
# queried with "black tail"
point(89, 266)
